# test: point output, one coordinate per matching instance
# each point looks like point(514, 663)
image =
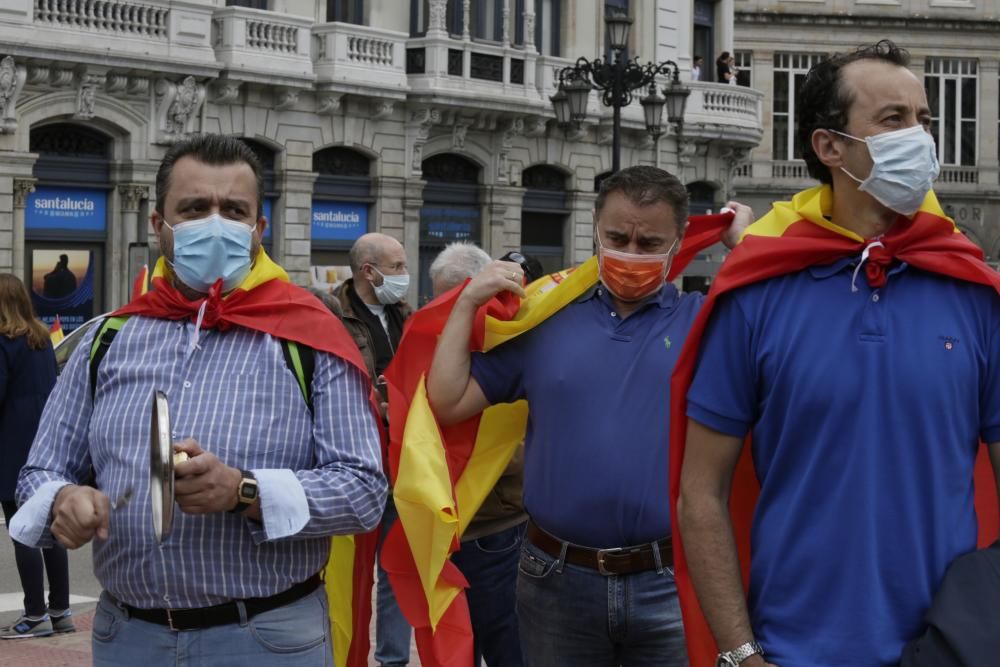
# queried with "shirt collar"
point(665, 299)
point(825, 271)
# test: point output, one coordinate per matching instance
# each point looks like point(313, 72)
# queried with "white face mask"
point(211, 248)
point(904, 167)
point(393, 288)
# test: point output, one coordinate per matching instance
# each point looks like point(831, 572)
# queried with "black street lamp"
point(616, 78)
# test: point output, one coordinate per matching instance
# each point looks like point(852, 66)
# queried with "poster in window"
point(62, 283)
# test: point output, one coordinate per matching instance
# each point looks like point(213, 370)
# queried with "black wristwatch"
point(246, 492)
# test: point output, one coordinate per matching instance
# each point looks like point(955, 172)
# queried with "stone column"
point(131, 197)
point(581, 225)
point(413, 201)
point(22, 188)
point(292, 240)
point(989, 79)
point(503, 215)
point(762, 79)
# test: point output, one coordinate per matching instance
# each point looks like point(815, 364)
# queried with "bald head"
point(373, 256)
point(377, 249)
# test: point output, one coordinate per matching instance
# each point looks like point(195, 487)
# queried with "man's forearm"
point(715, 570)
point(452, 364)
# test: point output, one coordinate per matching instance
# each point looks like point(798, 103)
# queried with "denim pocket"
point(106, 624)
point(294, 628)
point(503, 542)
point(534, 563)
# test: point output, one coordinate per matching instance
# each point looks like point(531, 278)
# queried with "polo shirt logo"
point(666, 341)
point(949, 342)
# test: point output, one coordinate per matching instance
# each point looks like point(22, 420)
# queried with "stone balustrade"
point(114, 16)
point(359, 55)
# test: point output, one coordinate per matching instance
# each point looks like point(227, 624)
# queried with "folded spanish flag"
point(266, 301)
point(56, 332)
point(441, 475)
point(793, 236)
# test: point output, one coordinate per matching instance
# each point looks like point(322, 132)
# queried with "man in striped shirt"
point(237, 577)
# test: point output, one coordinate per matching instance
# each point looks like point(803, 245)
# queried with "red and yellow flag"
point(56, 332)
point(793, 236)
point(141, 284)
point(441, 475)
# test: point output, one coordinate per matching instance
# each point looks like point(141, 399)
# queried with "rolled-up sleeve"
point(60, 453)
point(345, 491)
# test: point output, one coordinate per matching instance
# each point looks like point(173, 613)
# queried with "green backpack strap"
point(106, 333)
point(301, 361)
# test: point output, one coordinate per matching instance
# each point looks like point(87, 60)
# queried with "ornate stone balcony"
point(169, 36)
point(347, 56)
point(721, 111)
point(265, 47)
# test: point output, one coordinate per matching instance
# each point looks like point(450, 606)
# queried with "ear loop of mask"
point(857, 180)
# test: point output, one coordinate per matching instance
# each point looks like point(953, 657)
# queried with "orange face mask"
point(632, 277)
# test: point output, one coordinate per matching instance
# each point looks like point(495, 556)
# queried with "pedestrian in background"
point(723, 68)
point(27, 375)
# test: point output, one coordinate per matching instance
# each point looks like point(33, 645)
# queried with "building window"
point(744, 63)
point(252, 4)
point(953, 98)
point(486, 19)
point(346, 11)
point(703, 37)
point(789, 72)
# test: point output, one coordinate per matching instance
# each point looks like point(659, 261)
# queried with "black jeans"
point(29, 567)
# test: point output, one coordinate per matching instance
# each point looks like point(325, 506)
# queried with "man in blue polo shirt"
point(866, 389)
point(596, 583)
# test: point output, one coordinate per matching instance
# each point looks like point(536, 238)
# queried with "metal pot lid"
point(161, 467)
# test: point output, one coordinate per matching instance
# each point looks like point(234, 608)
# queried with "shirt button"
point(187, 384)
point(614, 314)
point(166, 598)
point(875, 297)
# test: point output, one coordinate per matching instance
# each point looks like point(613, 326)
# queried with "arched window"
point(66, 222)
point(544, 214)
point(342, 199)
point(452, 210)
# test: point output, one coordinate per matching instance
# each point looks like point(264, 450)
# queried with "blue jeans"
point(295, 635)
point(490, 565)
point(392, 632)
point(577, 617)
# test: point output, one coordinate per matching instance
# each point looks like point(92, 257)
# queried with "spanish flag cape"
point(792, 237)
point(267, 302)
point(440, 475)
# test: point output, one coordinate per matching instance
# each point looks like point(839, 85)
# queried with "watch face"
point(248, 490)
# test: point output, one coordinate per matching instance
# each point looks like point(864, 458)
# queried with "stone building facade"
point(955, 50)
point(428, 120)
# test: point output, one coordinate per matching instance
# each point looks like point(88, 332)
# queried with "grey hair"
point(458, 261)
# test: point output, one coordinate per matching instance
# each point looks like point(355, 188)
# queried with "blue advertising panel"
point(451, 223)
point(77, 209)
point(338, 221)
point(62, 283)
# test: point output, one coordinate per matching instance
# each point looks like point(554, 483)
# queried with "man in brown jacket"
point(373, 311)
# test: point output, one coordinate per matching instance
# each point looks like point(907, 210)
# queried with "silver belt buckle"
point(601, 553)
point(170, 621)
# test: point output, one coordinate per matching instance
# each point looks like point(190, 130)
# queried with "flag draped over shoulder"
point(141, 283)
point(792, 237)
point(267, 302)
point(56, 331)
point(441, 475)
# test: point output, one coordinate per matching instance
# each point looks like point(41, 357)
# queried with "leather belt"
point(620, 560)
point(221, 614)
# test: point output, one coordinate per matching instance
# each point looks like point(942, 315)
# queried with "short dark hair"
point(644, 186)
point(823, 101)
point(213, 149)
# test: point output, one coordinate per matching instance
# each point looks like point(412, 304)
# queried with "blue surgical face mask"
point(211, 248)
point(904, 167)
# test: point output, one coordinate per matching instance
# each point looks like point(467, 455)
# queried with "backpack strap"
point(106, 333)
point(301, 361)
